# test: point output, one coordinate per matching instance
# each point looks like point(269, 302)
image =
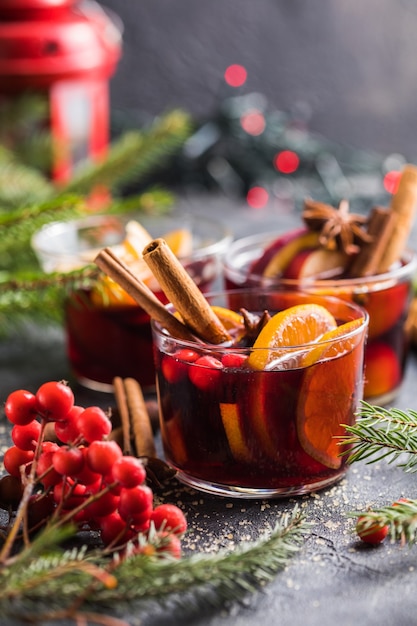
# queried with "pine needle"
point(134, 155)
point(382, 433)
point(58, 579)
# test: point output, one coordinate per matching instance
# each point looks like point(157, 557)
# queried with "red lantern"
point(66, 50)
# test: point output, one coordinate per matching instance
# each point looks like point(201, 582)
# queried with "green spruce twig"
point(382, 433)
point(40, 296)
point(135, 155)
point(390, 434)
point(57, 579)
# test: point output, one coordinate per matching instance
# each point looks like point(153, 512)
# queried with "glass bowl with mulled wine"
point(363, 259)
point(108, 334)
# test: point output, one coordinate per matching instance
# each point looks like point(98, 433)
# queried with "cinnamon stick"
point(140, 421)
point(380, 227)
point(183, 293)
point(111, 265)
point(134, 417)
point(403, 205)
point(122, 406)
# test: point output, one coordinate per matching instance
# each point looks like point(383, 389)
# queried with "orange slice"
point(172, 434)
point(329, 348)
point(328, 398)
point(296, 326)
point(137, 237)
point(231, 320)
point(107, 293)
point(180, 241)
point(233, 430)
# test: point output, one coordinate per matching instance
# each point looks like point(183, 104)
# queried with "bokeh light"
point(391, 181)
point(286, 161)
point(253, 122)
point(235, 75)
point(257, 197)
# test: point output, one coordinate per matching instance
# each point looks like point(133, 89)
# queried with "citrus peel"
point(292, 328)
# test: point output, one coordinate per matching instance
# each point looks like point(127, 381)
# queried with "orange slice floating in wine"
point(329, 393)
point(296, 326)
point(233, 429)
point(335, 342)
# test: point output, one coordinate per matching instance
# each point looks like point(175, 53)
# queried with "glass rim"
point(251, 241)
point(39, 239)
point(359, 311)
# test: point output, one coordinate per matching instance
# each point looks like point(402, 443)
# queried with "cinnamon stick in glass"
point(403, 205)
point(111, 265)
point(380, 228)
point(183, 293)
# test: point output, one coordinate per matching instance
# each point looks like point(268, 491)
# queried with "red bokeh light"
point(391, 181)
point(235, 75)
point(257, 197)
point(286, 161)
point(253, 122)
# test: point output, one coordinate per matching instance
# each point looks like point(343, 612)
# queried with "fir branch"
point(134, 155)
point(20, 183)
point(382, 433)
point(211, 579)
point(18, 226)
point(39, 296)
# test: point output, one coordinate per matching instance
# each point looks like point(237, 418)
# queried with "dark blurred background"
point(347, 68)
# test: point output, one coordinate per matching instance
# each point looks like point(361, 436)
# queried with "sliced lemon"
point(298, 325)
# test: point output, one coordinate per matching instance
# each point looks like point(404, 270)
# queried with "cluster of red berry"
point(83, 477)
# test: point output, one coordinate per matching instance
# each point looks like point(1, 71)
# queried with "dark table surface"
point(334, 578)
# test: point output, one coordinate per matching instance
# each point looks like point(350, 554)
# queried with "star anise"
point(253, 324)
point(338, 228)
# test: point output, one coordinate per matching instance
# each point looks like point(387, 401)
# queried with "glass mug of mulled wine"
point(385, 296)
point(108, 334)
point(261, 415)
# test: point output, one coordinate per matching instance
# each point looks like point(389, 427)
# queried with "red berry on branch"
point(170, 544)
point(26, 436)
point(67, 430)
point(93, 424)
point(44, 468)
point(115, 530)
point(373, 532)
point(128, 471)
point(55, 400)
point(105, 504)
point(102, 455)
point(21, 407)
point(70, 494)
point(14, 459)
point(168, 517)
point(68, 460)
point(86, 476)
point(136, 504)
